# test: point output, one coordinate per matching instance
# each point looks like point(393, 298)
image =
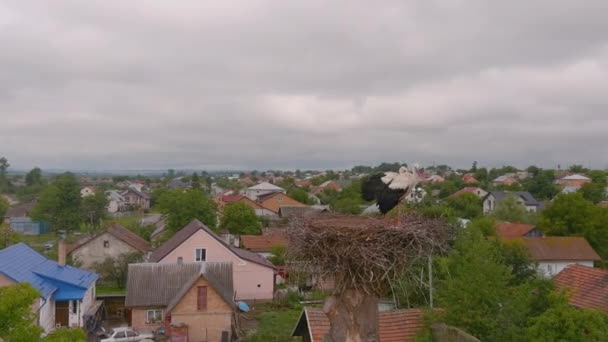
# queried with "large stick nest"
point(363, 253)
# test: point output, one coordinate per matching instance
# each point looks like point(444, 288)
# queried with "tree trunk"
point(353, 316)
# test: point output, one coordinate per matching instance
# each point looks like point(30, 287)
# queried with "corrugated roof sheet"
point(576, 177)
point(587, 286)
point(163, 285)
point(22, 264)
point(266, 186)
point(393, 326)
point(557, 248)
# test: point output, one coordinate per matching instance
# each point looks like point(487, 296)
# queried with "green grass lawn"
point(108, 289)
point(41, 239)
point(274, 324)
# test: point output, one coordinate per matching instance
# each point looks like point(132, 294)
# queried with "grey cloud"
point(278, 84)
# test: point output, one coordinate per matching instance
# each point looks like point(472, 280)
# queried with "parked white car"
point(126, 334)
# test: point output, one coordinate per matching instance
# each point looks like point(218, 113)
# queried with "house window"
point(202, 298)
point(74, 307)
point(106, 244)
point(280, 198)
point(550, 269)
point(180, 260)
point(154, 316)
point(200, 255)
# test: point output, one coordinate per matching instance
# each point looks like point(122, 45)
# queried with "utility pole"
point(431, 280)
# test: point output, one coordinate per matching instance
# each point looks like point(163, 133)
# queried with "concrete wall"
point(94, 251)
point(551, 268)
point(204, 325)
point(247, 275)
point(46, 315)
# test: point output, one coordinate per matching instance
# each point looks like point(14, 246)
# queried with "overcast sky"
point(101, 84)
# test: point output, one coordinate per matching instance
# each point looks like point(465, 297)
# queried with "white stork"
point(390, 188)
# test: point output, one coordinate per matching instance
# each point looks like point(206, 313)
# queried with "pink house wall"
point(251, 280)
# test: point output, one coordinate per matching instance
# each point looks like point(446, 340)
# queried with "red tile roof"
point(557, 248)
point(587, 286)
point(394, 326)
point(466, 190)
point(232, 198)
point(262, 243)
point(513, 230)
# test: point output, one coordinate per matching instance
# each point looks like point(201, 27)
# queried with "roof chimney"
point(61, 251)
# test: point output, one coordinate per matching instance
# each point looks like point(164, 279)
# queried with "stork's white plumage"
point(390, 188)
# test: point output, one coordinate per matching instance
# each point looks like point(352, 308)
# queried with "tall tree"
point(4, 206)
point(466, 206)
point(563, 322)
point(181, 207)
point(4, 165)
point(240, 218)
point(541, 184)
point(509, 209)
point(195, 181)
point(94, 208)
point(59, 203)
point(17, 321)
point(34, 177)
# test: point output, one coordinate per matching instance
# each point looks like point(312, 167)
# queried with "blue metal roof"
point(22, 264)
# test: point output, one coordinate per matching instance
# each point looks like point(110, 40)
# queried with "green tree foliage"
point(347, 205)
point(478, 291)
point(510, 210)
point(573, 215)
point(577, 168)
point(182, 206)
point(466, 206)
point(59, 203)
point(17, 321)
point(4, 206)
point(240, 218)
point(563, 322)
point(115, 270)
point(279, 255)
point(594, 192)
point(485, 224)
point(4, 183)
point(541, 184)
point(299, 195)
point(34, 177)
point(94, 208)
point(195, 181)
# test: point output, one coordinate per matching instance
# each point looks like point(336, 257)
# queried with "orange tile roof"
point(393, 326)
point(466, 190)
point(262, 243)
point(587, 286)
point(557, 248)
point(513, 230)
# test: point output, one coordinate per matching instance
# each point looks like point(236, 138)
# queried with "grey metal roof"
point(529, 200)
point(163, 285)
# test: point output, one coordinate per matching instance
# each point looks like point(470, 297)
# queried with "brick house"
point(136, 198)
point(189, 300)
point(574, 181)
point(112, 243)
point(275, 201)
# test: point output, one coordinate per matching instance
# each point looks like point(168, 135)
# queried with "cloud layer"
point(306, 84)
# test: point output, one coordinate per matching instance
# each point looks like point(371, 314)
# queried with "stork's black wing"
point(390, 199)
point(373, 187)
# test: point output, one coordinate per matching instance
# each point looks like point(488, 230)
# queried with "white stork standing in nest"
point(390, 188)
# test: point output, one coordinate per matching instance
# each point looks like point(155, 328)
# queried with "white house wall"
point(46, 315)
point(551, 268)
